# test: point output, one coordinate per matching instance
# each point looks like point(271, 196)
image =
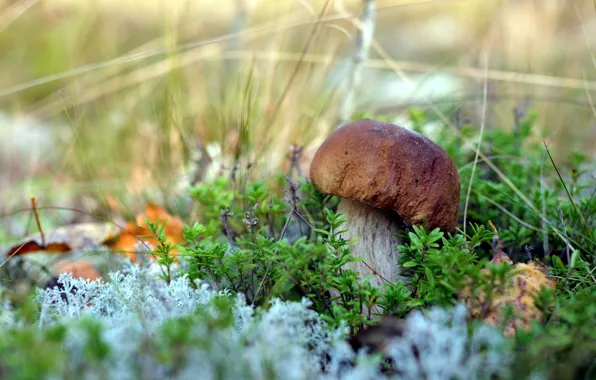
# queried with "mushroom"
point(386, 175)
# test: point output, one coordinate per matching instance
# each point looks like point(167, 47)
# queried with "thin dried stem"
point(566, 245)
point(482, 122)
point(366, 27)
point(545, 240)
point(14, 11)
point(36, 215)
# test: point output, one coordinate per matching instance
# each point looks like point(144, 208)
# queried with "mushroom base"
point(376, 230)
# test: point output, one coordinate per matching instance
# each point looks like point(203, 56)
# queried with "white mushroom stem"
point(376, 230)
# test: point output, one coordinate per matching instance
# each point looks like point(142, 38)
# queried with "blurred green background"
point(113, 103)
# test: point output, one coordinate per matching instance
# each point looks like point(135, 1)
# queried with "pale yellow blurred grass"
point(138, 81)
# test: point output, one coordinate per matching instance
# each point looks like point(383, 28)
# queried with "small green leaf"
point(367, 278)
point(430, 277)
point(410, 264)
point(574, 256)
point(558, 263)
point(415, 302)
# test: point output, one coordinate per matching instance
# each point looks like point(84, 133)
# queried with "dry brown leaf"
point(66, 239)
point(78, 269)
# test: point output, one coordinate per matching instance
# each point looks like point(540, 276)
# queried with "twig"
point(294, 202)
point(251, 221)
point(586, 226)
point(14, 11)
point(293, 196)
point(529, 249)
point(283, 231)
point(509, 213)
point(366, 27)
point(518, 114)
point(255, 32)
point(294, 157)
point(234, 179)
point(237, 27)
point(566, 243)
point(200, 161)
point(246, 176)
point(224, 216)
point(458, 124)
point(570, 279)
point(586, 35)
point(377, 273)
point(155, 70)
point(484, 103)
point(309, 41)
point(34, 207)
point(488, 122)
point(545, 241)
point(497, 243)
point(304, 220)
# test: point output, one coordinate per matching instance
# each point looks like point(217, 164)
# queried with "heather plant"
point(250, 257)
point(260, 289)
point(564, 347)
point(437, 271)
point(542, 212)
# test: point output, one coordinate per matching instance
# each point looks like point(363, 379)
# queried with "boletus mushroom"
point(386, 175)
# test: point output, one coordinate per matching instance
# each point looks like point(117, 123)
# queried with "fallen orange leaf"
point(136, 232)
point(78, 269)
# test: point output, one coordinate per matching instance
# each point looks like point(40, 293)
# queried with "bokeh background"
point(109, 104)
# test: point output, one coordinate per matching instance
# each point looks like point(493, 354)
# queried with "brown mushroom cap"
point(390, 167)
